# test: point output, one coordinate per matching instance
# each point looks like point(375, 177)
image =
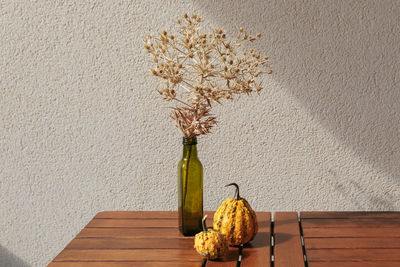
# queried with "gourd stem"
point(203, 223)
point(237, 196)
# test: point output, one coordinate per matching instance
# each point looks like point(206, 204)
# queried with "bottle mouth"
point(189, 140)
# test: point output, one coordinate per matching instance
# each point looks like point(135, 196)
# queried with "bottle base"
point(189, 233)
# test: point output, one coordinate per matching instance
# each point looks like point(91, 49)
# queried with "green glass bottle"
point(190, 189)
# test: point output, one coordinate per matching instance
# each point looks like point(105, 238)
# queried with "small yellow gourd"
point(236, 220)
point(210, 243)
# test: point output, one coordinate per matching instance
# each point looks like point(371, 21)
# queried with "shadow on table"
point(260, 240)
point(231, 257)
point(8, 259)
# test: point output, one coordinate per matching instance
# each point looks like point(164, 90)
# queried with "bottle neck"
point(189, 147)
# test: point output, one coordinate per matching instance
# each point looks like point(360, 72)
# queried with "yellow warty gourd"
point(236, 220)
point(210, 243)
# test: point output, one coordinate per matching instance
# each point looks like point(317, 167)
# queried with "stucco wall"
point(82, 129)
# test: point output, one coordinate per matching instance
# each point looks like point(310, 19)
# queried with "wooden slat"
point(130, 232)
point(141, 214)
point(349, 214)
point(350, 222)
point(138, 223)
point(355, 264)
point(258, 251)
point(352, 239)
point(130, 243)
point(256, 257)
point(136, 215)
point(352, 232)
point(288, 250)
point(128, 255)
point(133, 223)
point(126, 264)
point(351, 243)
point(343, 255)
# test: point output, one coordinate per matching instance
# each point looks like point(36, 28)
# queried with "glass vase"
point(190, 189)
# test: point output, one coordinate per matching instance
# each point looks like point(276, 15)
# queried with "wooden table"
point(313, 239)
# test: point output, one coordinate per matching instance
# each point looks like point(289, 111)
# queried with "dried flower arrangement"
point(200, 68)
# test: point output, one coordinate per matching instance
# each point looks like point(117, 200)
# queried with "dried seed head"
point(202, 68)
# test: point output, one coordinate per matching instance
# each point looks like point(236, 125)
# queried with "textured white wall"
point(82, 129)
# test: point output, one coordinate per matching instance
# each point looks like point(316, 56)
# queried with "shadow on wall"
point(359, 198)
point(7, 259)
point(339, 59)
